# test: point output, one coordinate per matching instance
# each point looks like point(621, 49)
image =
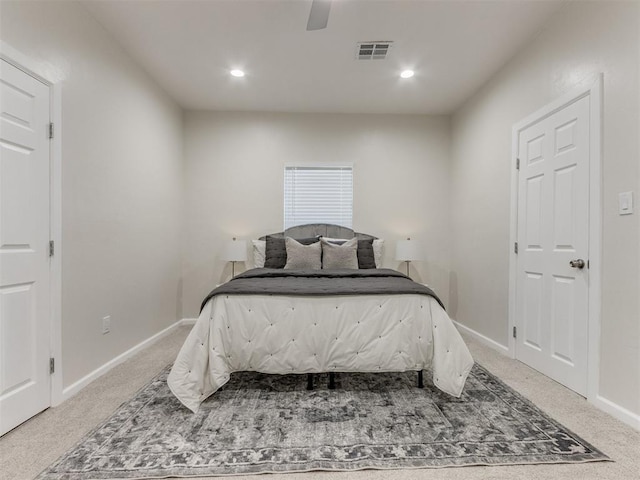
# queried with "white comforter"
point(280, 334)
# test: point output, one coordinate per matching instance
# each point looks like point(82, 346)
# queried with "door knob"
point(579, 263)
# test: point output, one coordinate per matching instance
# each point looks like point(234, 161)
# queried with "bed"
point(306, 321)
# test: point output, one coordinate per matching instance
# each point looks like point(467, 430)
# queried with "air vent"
point(373, 50)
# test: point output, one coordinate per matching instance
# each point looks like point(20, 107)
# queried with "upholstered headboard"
point(319, 229)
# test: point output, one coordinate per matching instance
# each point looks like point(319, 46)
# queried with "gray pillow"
point(366, 254)
point(275, 254)
point(366, 258)
point(340, 256)
point(299, 256)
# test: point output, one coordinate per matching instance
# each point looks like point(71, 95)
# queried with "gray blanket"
point(277, 281)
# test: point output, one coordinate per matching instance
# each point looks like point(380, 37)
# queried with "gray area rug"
point(270, 423)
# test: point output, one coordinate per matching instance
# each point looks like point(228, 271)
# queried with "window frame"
point(338, 218)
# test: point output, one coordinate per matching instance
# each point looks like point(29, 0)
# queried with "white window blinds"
point(318, 195)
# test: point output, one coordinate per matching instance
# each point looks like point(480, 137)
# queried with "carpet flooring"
point(264, 423)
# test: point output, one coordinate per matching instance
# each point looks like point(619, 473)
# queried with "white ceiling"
point(453, 46)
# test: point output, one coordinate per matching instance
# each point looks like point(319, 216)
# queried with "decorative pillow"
point(340, 256)
point(276, 251)
point(366, 258)
point(378, 247)
point(259, 247)
point(308, 257)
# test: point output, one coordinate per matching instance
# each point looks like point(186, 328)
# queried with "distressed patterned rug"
point(269, 423)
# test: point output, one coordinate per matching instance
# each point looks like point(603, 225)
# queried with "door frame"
point(50, 77)
point(594, 90)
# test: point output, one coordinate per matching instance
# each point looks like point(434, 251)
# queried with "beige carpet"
point(27, 450)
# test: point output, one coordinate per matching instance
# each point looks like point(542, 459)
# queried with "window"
point(318, 195)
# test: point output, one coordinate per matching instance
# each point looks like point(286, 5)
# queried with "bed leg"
point(309, 381)
point(332, 381)
point(420, 379)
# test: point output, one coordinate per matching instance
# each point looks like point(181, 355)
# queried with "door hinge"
point(515, 247)
point(514, 332)
point(50, 131)
point(52, 248)
point(52, 365)
point(517, 164)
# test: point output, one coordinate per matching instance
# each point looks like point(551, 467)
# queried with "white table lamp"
point(409, 251)
point(235, 251)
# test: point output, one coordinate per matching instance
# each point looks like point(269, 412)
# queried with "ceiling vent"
point(373, 50)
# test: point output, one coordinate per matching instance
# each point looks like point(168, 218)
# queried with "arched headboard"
point(320, 229)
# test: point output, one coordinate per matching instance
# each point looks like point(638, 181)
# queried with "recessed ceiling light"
point(237, 73)
point(407, 74)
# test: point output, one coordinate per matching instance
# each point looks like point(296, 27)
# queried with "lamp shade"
point(409, 250)
point(235, 251)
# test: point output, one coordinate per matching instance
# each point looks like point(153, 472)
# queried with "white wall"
point(583, 39)
point(235, 171)
point(122, 183)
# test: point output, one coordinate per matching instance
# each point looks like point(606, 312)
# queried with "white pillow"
point(259, 247)
point(341, 240)
point(308, 257)
point(340, 256)
point(378, 247)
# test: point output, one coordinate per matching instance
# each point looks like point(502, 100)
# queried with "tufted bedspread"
point(307, 332)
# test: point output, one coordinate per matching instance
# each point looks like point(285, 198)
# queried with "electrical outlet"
point(106, 324)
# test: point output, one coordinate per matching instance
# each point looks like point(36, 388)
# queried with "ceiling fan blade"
point(319, 15)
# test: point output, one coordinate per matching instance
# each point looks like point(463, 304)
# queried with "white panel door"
point(553, 228)
point(24, 240)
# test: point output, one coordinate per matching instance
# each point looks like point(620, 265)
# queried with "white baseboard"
point(481, 338)
point(618, 412)
point(613, 409)
point(607, 406)
point(74, 388)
